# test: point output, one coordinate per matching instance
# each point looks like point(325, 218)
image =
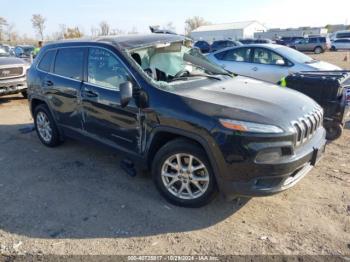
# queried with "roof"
point(125, 41)
point(136, 41)
point(227, 26)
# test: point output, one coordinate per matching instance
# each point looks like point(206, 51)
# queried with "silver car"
point(268, 62)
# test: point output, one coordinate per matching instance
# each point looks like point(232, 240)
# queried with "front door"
point(268, 65)
point(104, 119)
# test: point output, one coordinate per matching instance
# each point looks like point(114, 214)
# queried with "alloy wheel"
point(43, 126)
point(185, 176)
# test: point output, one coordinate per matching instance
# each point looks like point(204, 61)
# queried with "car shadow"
point(78, 191)
point(10, 98)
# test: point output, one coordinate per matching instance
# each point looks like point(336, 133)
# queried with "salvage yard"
point(75, 199)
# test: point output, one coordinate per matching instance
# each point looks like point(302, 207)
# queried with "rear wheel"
point(318, 50)
point(24, 94)
point(45, 126)
point(183, 175)
point(334, 131)
point(333, 48)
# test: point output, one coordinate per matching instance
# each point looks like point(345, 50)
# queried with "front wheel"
point(183, 175)
point(334, 131)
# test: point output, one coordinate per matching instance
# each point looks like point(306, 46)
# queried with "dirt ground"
point(75, 200)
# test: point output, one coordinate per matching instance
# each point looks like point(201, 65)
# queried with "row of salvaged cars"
point(197, 125)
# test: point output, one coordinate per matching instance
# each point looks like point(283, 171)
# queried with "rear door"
point(64, 85)
point(236, 60)
point(268, 65)
point(104, 118)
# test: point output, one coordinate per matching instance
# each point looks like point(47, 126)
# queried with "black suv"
point(162, 103)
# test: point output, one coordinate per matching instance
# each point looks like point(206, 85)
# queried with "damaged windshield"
point(170, 62)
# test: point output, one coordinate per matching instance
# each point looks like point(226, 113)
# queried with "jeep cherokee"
point(197, 128)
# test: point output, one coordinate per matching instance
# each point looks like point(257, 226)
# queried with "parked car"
point(247, 41)
point(12, 74)
point(341, 44)
point(220, 44)
point(170, 110)
point(204, 46)
point(25, 52)
point(317, 45)
point(264, 41)
point(341, 34)
point(287, 41)
point(267, 62)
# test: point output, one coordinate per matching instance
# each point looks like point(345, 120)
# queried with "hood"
point(11, 61)
point(249, 100)
point(320, 65)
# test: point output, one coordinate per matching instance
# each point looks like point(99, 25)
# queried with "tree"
point(3, 23)
point(9, 32)
point(193, 23)
point(104, 28)
point(38, 22)
point(73, 32)
point(94, 31)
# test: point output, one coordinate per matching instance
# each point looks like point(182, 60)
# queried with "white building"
point(289, 32)
point(232, 31)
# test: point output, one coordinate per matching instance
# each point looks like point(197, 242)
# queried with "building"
point(289, 32)
point(232, 31)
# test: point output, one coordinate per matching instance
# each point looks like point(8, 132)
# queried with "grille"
point(307, 126)
point(11, 72)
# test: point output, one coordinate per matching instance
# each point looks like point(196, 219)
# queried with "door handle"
point(255, 69)
point(90, 93)
point(49, 83)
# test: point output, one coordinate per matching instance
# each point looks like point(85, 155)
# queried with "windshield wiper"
point(196, 75)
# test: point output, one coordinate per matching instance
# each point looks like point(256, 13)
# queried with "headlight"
point(251, 127)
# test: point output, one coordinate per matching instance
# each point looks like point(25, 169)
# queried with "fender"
point(192, 136)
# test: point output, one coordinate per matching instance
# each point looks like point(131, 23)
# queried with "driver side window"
point(105, 70)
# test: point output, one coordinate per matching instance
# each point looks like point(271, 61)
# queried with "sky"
point(127, 14)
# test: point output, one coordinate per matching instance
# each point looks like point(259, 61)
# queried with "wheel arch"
point(162, 135)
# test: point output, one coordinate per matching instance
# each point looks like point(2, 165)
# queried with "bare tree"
point(104, 28)
point(38, 22)
point(94, 31)
point(9, 32)
point(3, 23)
point(73, 32)
point(116, 31)
point(193, 23)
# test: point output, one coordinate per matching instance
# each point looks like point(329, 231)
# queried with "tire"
point(24, 94)
point(167, 158)
point(318, 50)
point(45, 126)
point(334, 131)
point(333, 48)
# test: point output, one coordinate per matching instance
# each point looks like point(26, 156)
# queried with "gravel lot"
point(76, 200)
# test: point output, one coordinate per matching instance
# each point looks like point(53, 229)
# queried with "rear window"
point(69, 63)
point(46, 61)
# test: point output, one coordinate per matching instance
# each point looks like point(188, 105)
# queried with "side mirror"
point(125, 93)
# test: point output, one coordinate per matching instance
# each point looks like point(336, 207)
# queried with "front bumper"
point(13, 86)
point(274, 178)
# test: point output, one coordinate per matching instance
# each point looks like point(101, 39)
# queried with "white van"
point(341, 34)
